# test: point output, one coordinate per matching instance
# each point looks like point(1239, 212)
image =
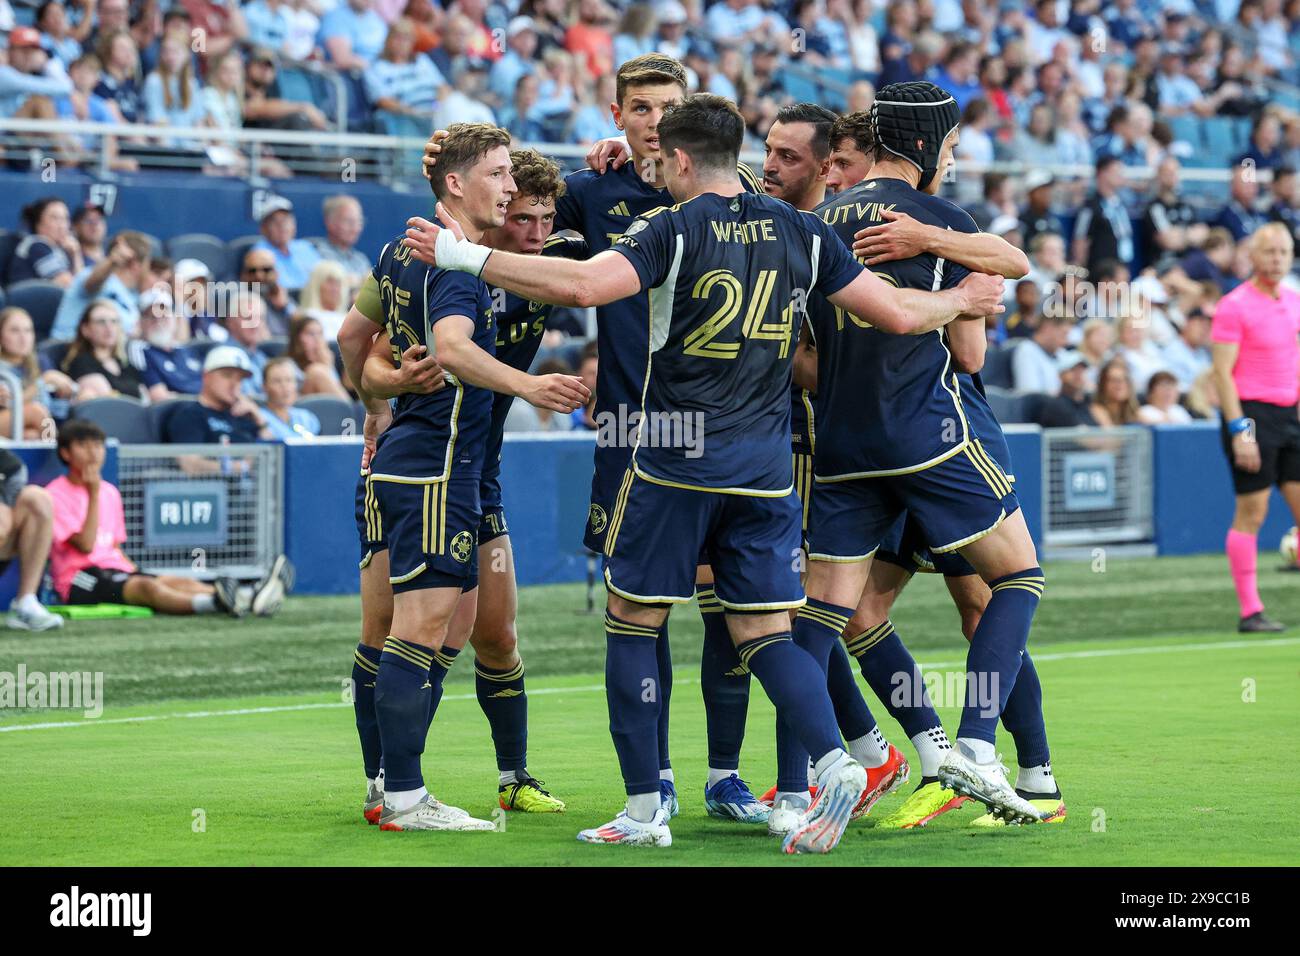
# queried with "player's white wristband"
point(460, 254)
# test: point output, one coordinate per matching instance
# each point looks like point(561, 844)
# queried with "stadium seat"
point(201, 347)
point(235, 250)
point(1007, 405)
point(332, 412)
point(41, 300)
point(273, 348)
point(50, 353)
point(8, 243)
point(126, 419)
point(208, 249)
point(158, 413)
point(997, 367)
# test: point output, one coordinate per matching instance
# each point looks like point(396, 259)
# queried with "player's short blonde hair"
point(465, 145)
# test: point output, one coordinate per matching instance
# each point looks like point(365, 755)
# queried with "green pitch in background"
point(229, 743)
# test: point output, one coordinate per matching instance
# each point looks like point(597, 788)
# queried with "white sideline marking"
point(593, 688)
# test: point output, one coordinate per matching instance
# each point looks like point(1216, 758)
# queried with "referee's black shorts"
point(1277, 430)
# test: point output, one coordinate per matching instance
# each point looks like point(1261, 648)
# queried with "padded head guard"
point(906, 112)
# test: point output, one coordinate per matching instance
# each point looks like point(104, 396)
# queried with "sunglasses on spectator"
point(255, 270)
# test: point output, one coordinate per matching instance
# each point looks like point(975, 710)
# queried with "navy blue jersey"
point(519, 327)
point(600, 206)
point(727, 278)
point(886, 404)
point(430, 434)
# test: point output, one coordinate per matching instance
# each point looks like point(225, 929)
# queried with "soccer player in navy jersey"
point(424, 485)
point(876, 643)
point(599, 205)
point(925, 450)
point(727, 273)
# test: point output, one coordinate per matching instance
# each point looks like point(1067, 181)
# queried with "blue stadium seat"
point(1008, 406)
point(41, 300)
point(294, 84)
point(208, 249)
point(126, 419)
point(235, 250)
point(8, 243)
point(332, 412)
point(997, 367)
point(50, 353)
point(273, 348)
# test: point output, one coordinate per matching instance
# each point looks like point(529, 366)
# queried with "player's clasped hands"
point(419, 372)
point(983, 294)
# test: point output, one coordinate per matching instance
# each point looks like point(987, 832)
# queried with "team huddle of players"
point(846, 444)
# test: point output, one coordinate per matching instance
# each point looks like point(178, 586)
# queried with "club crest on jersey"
point(461, 546)
point(636, 226)
point(597, 519)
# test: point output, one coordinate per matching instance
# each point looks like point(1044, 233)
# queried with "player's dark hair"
point(76, 430)
point(648, 69)
point(857, 127)
point(706, 127)
point(535, 175)
point(819, 117)
point(465, 145)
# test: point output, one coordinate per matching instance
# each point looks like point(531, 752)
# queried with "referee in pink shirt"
point(1256, 354)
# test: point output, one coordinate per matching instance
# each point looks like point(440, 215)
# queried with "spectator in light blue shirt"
point(119, 277)
point(294, 257)
point(283, 417)
point(269, 23)
point(353, 35)
point(1176, 90)
point(521, 117)
point(56, 35)
point(172, 96)
point(593, 121)
point(521, 47)
point(402, 81)
point(636, 33)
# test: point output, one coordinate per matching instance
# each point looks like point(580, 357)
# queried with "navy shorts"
point(659, 534)
point(610, 466)
point(955, 502)
point(905, 547)
point(493, 522)
point(370, 524)
point(431, 529)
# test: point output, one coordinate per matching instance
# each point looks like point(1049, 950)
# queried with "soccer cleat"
point(34, 617)
point(225, 595)
point(926, 802)
point(987, 783)
point(1050, 804)
point(785, 817)
point(888, 777)
point(1257, 623)
point(628, 832)
point(526, 795)
point(731, 799)
point(767, 798)
point(839, 790)
point(668, 798)
point(374, 805)
point(270, 591)
point(429, 814)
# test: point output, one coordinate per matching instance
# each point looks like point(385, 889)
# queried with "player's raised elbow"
point(968, 360)
point(1017, 266)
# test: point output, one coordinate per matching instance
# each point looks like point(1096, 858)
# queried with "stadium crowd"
point(1110, 326)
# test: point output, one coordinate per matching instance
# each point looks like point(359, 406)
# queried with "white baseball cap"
point(227, 356)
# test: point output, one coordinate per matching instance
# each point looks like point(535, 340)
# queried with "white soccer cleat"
point(32, 616)
point(785, 818)
point(839, 789)
point(270, 591)
point(429, 814)
point(373, 808)
point(628, 832)
point(987, 783)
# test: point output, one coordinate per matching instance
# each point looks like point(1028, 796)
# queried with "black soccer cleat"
point(225, 594)
point(1257, 623)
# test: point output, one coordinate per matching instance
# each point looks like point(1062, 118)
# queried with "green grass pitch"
point(228, 742)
